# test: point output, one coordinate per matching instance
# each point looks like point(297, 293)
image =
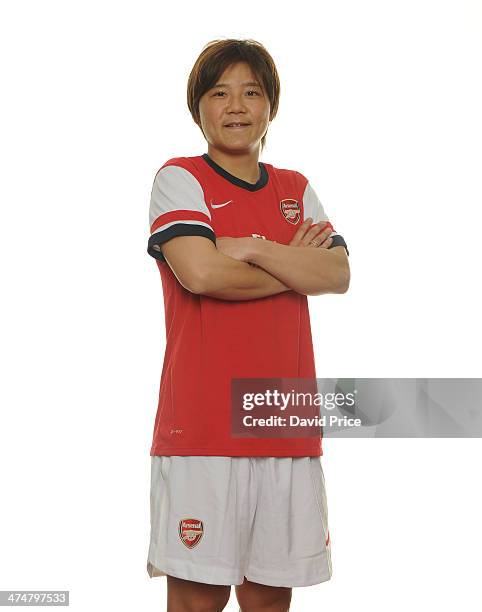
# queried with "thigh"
point(290, 544)
point(187, 595)
point(254, 596)
point(201, 516)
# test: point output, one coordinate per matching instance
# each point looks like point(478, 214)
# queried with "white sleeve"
point(177, 208)
point(314, 208)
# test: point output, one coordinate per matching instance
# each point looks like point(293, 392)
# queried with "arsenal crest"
point(190, 531)
point(290, 210)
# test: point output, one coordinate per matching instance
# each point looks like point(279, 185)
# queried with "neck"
point(242, 165)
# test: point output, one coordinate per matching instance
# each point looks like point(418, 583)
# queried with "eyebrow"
point(226, 85)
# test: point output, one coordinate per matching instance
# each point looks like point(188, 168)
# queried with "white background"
point(380, 109)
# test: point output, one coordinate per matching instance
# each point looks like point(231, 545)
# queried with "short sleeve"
point(177, 208)
point(313, 208)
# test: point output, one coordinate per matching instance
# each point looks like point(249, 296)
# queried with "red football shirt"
point(210, 341)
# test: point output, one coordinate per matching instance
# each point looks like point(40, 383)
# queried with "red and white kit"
point(209, 342)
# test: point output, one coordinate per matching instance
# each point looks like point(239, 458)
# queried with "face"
point(238, 100)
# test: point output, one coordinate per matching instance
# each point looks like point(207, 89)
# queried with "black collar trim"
point(262, 181)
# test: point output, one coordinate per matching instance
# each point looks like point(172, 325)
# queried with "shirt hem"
point(227, 452)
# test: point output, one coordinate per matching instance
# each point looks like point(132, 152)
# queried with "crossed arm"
point(249, 268)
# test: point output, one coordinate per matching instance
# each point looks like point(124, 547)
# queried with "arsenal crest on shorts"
point(290, 210)
point(190, 531)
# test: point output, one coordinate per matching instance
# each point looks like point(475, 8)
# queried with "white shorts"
point(217, 519)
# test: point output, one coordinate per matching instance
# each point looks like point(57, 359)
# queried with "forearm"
point(229, 279)
point(306, 270)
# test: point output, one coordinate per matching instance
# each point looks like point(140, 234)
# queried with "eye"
point(250, 91)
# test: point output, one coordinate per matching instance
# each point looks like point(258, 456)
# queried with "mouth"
point(237, 126)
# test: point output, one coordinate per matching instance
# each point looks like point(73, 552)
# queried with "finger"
point(322, 235)
point(326, 244)
point(311, 234)
point(295, 241)
point(318, 242)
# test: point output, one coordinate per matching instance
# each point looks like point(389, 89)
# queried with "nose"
point(235, 103)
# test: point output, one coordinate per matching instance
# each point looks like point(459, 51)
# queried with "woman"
point(239, 245)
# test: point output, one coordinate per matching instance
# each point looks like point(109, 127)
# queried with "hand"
point(237, 248)
point(314, 236)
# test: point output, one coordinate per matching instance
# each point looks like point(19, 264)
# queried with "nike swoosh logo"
point(221, 205)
